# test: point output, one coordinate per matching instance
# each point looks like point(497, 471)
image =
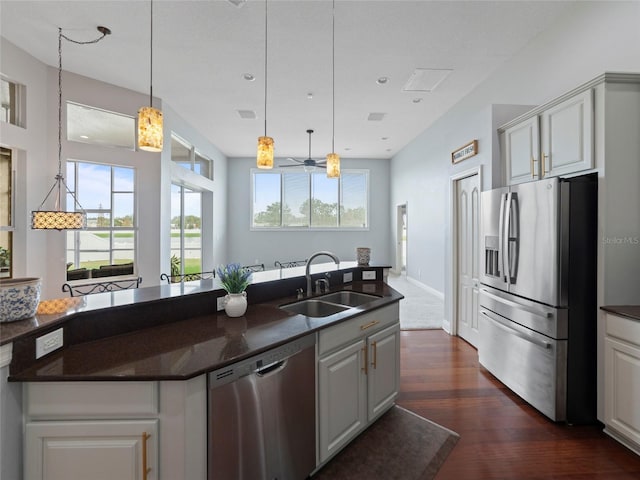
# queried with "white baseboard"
point(426, 288)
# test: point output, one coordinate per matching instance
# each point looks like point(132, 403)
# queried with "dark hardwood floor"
point(501, 437)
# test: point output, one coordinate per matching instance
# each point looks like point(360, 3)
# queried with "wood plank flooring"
point(501, 437)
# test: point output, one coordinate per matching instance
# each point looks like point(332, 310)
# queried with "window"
point(189, 158)
point(107, 247)
point(296, 200)
point(13, 102)
point(6, 212)
point(100, 127)
point(186, 230)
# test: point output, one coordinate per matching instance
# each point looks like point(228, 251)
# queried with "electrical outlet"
point(368, 274)
point(220, 303)
point(347, 277)
point(49, 342)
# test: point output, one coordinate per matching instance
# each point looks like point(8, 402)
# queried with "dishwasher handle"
point(271, 368)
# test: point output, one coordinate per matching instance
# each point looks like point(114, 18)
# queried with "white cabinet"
point(109, 430)
point(622, 380)
point(61, 450)
point(522, 151)
point(552, 141)
point(567, 136)
point(358, 376)
point(342, 398)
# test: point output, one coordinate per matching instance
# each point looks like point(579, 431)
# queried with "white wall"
point(248, 247)
point(594, 38)
point(42, 254)
point(34, 175)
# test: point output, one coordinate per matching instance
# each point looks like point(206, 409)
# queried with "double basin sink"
point(329, 304)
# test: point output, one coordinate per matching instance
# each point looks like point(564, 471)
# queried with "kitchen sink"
point(314, 308)
point(352, 299)
point(328, 304)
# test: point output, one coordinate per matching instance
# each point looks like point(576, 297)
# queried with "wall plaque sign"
point(464, 152)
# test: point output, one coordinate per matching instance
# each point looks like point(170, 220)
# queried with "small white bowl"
point(19, 298)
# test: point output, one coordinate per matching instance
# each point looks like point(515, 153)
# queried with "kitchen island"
point(131, 376)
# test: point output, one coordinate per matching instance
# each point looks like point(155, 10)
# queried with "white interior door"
point(467, 246)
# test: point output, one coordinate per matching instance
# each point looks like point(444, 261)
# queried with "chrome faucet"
point(308, 269)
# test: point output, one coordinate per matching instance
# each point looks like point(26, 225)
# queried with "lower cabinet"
point(115, 430)
point(622, 380)
point(126, 450)
point(358, 376)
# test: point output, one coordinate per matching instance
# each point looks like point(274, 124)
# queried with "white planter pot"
point(235, 304)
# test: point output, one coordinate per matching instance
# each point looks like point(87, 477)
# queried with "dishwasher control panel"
point(230, 373)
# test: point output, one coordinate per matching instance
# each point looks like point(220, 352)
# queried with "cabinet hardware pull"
point(365, 352)
point(374, 344)
point(145, 469)
point(533, 172)
point(542, 167)
point(369, 325)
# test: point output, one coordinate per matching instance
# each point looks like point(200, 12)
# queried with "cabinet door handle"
point(533, 172)
point(369, 325)
point(365, 351)
point(145, 468)
point(542, 160)
point(374, 345)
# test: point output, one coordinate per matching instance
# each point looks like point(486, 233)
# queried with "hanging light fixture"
point(150, 134)
point(58, 219)
point(265, 143)
point(333, 159)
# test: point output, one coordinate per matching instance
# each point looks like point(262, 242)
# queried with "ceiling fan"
point(309, 163)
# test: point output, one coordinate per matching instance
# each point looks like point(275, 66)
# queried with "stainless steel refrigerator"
point(538, 311)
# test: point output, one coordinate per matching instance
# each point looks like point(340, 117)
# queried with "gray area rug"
point(399, 445)
point(420, 309)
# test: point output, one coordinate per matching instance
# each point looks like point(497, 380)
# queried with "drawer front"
point(52, 400)
point(623, 328)
point(346, 332)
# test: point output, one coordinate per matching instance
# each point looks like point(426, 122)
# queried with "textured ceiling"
point(203, 48)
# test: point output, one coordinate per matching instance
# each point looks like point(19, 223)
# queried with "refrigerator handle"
point(504, 231)
point(501, 235)
point(514, 215)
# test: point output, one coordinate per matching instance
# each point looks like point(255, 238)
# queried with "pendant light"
point(58, 219)
point(150, 135)
point(333, 159)
point(265, 144)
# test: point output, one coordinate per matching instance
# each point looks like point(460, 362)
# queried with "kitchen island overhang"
point(173, 332)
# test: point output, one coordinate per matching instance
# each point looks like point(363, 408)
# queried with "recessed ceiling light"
point(249, 77)
point(237, 3)
point(84, 136)
point(417, 100)
point(384, 138)
point(382, 80)
point(347, 149)
point(310, 95)
point(376, 116)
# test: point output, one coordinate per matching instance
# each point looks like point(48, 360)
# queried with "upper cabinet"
point(557, 140)
point(567, 136)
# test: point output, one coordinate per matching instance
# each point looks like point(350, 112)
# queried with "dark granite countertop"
point(177, 350)
point(629, 311)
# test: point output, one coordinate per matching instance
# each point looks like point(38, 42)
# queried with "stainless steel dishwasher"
point(262, 415)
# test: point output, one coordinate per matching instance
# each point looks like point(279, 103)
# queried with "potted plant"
point(234, 279)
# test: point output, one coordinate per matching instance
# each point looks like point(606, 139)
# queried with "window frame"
point(112, 229)
point(256, 171)
point(196, 158)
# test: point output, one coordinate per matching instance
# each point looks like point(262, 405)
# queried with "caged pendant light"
point(265, 144)
point(150, 135)
point(333, 159)
point(58, 219)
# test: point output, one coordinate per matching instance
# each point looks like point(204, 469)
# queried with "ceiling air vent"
point(425, 79)
point(376, 116)
point(247, 114)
